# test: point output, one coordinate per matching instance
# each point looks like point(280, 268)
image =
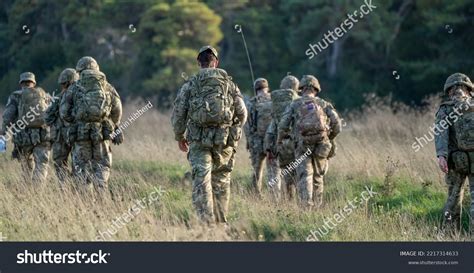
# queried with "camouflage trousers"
point(286, 155)
point(211, 173)
point(258, 156)
point(34, 160)
point(311, 168)
point(61, 151)
point(453, 207)
point(92, 162)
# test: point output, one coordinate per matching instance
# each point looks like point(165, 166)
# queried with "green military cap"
point(27, 76)
point(208, 47)
point(458, 78)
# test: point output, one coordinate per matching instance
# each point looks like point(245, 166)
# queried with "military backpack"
point(36, 99)
point(311, 121)
point(92, 99)
point(280, 101)
point(211, 100)
point(263, 114)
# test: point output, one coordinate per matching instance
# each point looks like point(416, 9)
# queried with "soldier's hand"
point(118, 139)
point(443, 164)
point(183, 145)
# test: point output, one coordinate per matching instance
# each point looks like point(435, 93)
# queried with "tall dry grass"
point(376, 144)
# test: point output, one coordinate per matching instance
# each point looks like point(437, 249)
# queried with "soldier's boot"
point(451, 225)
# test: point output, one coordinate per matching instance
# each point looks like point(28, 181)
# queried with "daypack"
point(464, 130)
point(280, 101)
point(36, 99)
point(92, 100)
point(263, 114)
point(211, 101)
point(311, 121)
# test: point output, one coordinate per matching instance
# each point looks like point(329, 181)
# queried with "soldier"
point(285, 151)
point(207, 119)
point(314, 123)
point(454, 146)
point(23, 119)
point(59, 128)
point(94, 108)
point(260, 115)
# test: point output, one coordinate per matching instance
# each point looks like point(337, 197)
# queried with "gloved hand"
point(118, 138)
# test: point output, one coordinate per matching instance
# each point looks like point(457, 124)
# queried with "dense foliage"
point(403, 47)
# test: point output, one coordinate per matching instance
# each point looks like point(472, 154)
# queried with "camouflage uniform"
point(91, 152)
point(312, 158)
point(211, 148)
point(32, 138)
point(452, 111)
point(284, 151)
point(59, 128)
point(260, 116)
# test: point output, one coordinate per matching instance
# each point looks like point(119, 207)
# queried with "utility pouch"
point(461, 162)
point(45, 134)
point(96, 132)
point(208, 137)
point(35, 136)
point(323, 149)
point(235, 133)
point(83, 132)
point(220, 136)
point(107, 129)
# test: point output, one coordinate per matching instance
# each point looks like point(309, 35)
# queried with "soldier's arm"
point(52, 112)
point(116, 110)
point(248, 125)
point(284, 126)
point(335, 123)
point(442, 138)
point(239, 106)
point(66, 105)
point(10, 115)
point(179, 117)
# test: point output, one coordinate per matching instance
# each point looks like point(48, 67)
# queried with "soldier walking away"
point(284, 152)
point(59, 128)
point(260, 116)
point(93, 107)
point(23, 119)
point(207, 120)
point(314, 123)
point(455, 147)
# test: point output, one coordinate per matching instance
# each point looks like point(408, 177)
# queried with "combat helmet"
point(260, 84)
point(86, 62)
point(310, 81)
point(457, 78)
point(69, 75)
point(27, 76)
point(290, 82)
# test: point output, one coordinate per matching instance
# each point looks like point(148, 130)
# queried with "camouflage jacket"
point(250, 127)
point(54, 120)
point(10, 115)
point(445, 142)
point(66, 106)
point(288, 120)
point(180, 116)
